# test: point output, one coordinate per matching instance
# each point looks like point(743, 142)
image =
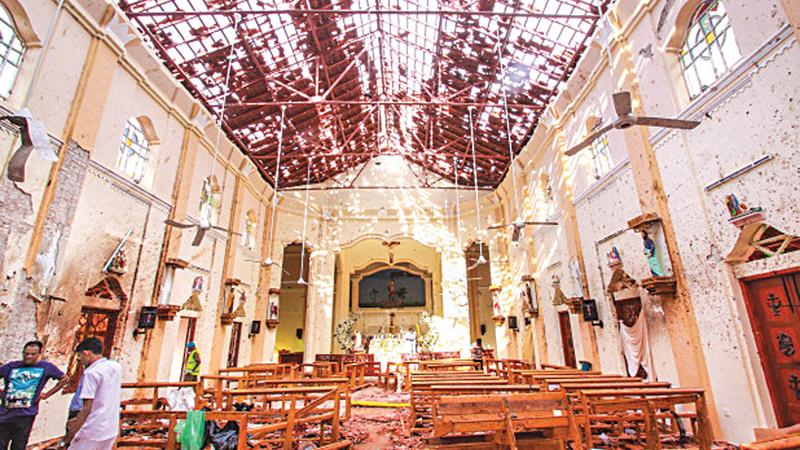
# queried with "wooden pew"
point(788, 442)
point(422, 398)
point(645, 405)
point(503, 421)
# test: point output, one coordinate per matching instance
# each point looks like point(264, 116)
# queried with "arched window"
point(601, 156)
point(11, 51)
point(709, 47)
point(250, 227)
point(134, 151)
point(210, 201)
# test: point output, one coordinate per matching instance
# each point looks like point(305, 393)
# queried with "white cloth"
point(102, 382)
point(181, 399)
point(85, 444)
point(636, 347)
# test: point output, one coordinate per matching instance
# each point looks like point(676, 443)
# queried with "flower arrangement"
point(343, 333)
point(428, 334)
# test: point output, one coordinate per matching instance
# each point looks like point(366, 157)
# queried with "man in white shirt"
point(97, 424)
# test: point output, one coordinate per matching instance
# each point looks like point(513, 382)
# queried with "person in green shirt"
point(191, 369)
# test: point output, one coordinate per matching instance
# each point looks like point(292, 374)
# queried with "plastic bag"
point(225, 438)
point(181, 399)
point(191, 432)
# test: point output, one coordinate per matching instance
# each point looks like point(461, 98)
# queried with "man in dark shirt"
point(24, 382)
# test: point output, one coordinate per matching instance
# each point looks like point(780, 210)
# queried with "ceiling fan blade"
point(589, 139)
point(198, 238)
point(540, 223)
point(177, 224)
point(622, 103)
point(497, 227)
point(666, 123)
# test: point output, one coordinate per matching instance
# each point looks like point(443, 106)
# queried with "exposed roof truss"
point(361, 78)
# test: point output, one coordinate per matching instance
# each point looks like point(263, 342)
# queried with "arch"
point(149, 130)
point(681, 25)
point(22, 23)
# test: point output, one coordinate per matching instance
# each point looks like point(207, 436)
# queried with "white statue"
point(359, 346)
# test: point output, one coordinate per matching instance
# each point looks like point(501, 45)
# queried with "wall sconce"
point(147, 320)
point(483, 329)
point(590, 313)
point(299, 333)
point(255, 327)
point(512, 323)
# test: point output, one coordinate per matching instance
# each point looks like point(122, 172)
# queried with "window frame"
point(601, 148)
point(7, 21)
point(710, 51)
point(131, 148)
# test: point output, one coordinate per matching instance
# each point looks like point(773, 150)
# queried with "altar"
point(390, 348)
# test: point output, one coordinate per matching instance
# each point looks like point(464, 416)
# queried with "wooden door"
point(566, 339)
point(93, 322)
point(233, 349)
point(774, 307)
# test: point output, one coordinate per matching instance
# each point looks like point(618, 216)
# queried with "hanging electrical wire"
point(481, 259)
point(305, 223)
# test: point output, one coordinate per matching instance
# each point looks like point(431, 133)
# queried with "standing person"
point(24, 382)
point(191, 368)
point(97, 424)
point(477, 352)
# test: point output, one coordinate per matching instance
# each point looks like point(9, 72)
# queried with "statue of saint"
point(652, 258)
point(359, 345)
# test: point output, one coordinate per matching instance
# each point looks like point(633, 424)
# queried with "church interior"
point(403, 224)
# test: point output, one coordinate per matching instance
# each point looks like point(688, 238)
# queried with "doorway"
point(479, 279)
point(567, 343)
point(773, 304)
point(292, 304)
point(191, 324)
point(233, 348)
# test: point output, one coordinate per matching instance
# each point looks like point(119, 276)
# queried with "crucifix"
point(390, 245)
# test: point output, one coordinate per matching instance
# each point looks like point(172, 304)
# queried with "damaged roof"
point(354, 79)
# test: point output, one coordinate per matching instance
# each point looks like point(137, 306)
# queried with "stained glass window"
point(601, 156)
point(709, 49)
point(11, 51)
point(210, 201)
point(133, 152)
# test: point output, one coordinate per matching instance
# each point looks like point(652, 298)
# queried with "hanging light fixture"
point(300, 280)
point(268, 261)
point(481, 259)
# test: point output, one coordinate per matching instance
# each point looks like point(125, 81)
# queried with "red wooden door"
point(774, 307)
point(566, 339)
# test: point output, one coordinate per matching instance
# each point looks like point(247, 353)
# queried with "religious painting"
point(391, 288)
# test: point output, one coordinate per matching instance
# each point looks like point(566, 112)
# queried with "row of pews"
point(509, 404)
point(278, 405)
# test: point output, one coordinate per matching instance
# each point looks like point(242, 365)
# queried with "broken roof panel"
point(361, 78)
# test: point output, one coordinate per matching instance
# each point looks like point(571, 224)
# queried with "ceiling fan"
point(268, 262)
point(622, 105)
point(518, 225)
point(202, 226)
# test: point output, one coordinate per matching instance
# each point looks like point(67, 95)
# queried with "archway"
point(292, 308)
point(479, 279)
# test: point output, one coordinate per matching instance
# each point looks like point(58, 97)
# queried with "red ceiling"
point(361, 78)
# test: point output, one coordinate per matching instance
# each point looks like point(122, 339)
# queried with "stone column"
point(679, 311)
point(319, 303)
